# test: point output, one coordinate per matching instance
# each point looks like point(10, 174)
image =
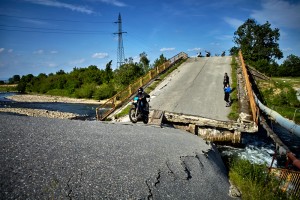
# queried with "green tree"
point(234, 51)
point(258, 42)
point(144, 61)
point(161, 60)
point(25, 83)
point(127, 73)
point(108, 72)
point(15, 79)
point(290, 66)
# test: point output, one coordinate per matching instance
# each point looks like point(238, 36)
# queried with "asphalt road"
point(195, 88)
point(44, 158)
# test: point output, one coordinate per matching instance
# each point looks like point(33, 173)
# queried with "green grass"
point(123, 113)
point(8, 88)
point(234, 111)
point(279, 95)
point(254, 182)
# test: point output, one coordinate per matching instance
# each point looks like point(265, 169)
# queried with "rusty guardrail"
point(117, 100)
point(289, 181)
point(254, 109)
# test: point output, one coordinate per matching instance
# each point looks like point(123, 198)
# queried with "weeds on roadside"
point(234, 111)
point(280, 96)
point(254, 181)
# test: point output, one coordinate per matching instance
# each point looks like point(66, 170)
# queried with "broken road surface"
point(44, 158)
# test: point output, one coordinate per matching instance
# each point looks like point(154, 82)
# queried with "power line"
point(41, 31)
point(61, 20)
point(49, 30)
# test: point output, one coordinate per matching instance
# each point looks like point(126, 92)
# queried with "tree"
point(60, 72)
point(160, 61)
point(290, 67)
point(258, 42)
point(14, 79)
point(108, 72)
point(144, 61)
point(234, 51)
point(127, 73)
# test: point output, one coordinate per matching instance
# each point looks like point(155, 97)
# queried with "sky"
point(45, 36)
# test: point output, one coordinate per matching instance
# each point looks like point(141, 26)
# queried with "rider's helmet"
point(140, 90)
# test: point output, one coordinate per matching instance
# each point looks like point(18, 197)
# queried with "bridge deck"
point(195, 88)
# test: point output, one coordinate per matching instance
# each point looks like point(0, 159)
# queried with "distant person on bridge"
point(227, 91)
point(225, 80)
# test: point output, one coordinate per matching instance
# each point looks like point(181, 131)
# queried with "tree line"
point(258, 43)
point(89, 82)
point(260, 49)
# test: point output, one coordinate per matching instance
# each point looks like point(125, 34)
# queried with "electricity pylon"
point(120, 53)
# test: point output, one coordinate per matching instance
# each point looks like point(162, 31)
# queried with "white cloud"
point(53, 52)
point(58, 4)
point(40, 51)
point(10, 50)
point(194, 49)
point(167, 49)
point(75, 62)
point(52, 65)
point(1, 50)
point(287, 49)
point(215, 43)
point(279, 13)
point(235, 23)
point(114, 2)
point(100, 55)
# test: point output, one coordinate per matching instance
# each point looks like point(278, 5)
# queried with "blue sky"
point(44, 36)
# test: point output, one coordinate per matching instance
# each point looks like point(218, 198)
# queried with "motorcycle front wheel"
point(132, 115)
point(145, 119)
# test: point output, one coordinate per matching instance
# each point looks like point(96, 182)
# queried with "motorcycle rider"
point(142, 102)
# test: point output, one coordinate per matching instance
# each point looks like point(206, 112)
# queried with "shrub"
point(85, 91)
point(104, 91)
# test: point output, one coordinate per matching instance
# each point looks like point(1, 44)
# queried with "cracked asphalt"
point(43, 158)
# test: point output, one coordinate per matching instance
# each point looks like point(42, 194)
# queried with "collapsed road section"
point(43, 158)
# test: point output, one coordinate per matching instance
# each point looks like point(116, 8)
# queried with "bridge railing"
point(120, 98)
point(253, 106)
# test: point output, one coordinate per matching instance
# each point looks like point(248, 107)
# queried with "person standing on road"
point(227, 91)
point(225, 80)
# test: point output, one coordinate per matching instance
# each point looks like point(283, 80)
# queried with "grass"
point(279, 94)
point(123, 113)
point(234, 111)
point(8, 88)
point(254, 181)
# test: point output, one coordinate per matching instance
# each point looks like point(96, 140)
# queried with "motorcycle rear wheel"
point(132, 115)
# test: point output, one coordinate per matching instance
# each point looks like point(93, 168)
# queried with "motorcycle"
point(136, 115)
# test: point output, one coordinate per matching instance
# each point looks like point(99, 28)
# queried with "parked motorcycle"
point(136, 115)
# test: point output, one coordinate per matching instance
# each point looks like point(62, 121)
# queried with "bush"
point(104, 91)
point(85, 91)
point(58, 92)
